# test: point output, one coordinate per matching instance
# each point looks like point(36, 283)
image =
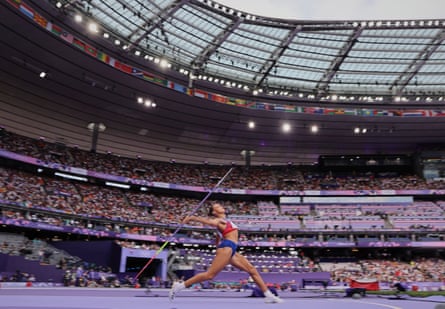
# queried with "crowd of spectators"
point(286, 177)
point(120, 207)
point(17, 276)
point(390, 270)
point(60, 202)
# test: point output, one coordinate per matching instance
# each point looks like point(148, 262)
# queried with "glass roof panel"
point(230, 73)
point(244, 52)
point(345, 56)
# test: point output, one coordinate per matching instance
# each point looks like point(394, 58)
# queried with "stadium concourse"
point(75, 298)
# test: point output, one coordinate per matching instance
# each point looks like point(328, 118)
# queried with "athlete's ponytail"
point(210, 211)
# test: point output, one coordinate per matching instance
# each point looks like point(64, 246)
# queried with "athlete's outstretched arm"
point(203, 220)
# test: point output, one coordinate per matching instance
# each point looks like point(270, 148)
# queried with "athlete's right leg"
point(222, 258)
point(239, 261)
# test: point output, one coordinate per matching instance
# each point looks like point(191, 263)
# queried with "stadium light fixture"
point(286, 127)
point(117, 185)
point(93, 27)
point(72, 177)
point(78, 18)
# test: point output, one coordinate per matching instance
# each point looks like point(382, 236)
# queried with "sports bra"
point(230, 226)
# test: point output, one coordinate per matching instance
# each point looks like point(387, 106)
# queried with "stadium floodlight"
point(72, 177)
point(117, 185)
point(78, 18)
point(286, 127)
point(93, 27)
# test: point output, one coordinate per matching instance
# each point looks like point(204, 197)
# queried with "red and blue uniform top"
point(230, 226)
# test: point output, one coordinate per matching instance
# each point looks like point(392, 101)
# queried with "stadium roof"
point(377, 58)
point(383, 77)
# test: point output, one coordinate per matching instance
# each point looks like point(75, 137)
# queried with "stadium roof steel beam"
point(163, 15)
point(136, 13)
point(218, 40)
point(323, 85)
point(97, 7)
point(275, 56)
point(326, 58)
point(399, 85)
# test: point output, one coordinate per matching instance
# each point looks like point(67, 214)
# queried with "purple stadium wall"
point(43, 273)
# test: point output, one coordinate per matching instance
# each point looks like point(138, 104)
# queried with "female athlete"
point(227, 242)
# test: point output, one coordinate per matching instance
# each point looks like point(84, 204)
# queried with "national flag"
point(388, 113)
point(122, 67)
point(217, 98)
point(200, 94)
point(269, 106)
point(91, 50)
point(278, 107)
point(396, 113)
point(240, 102)
point(366, 112)
point(251, 104)
point(79, 44)
point(49, 26)
point(68, 37)
point(350, 111)
point(236, 101)
point(377, 112)
point(260, 105)
point(40, 20)
point(180, 88)
point(340, 111)
point(15, 3)
point(440, 113)
point(56, 30)
point(111, 61)
point(289, 108)
point(164, 82)
point(154, 78)
point(329, 111)
point(136, 72)
point(103, 57)
point(313, 110)
point(147, 76)
point(231, 101)
point(412, 113)
point(26, 10)
point(299, 109)
point(429, 113)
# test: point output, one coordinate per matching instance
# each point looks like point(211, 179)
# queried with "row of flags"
point(210, 96)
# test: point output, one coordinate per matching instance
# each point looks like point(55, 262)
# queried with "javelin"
point(182, 224)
